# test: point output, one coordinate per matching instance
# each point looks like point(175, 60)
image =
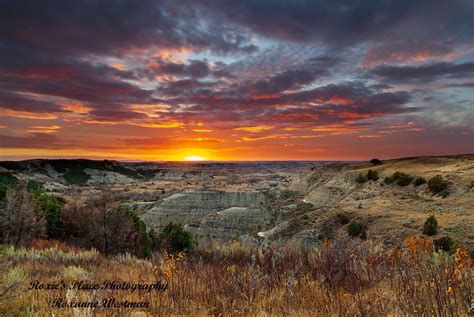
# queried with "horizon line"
point(227, 161)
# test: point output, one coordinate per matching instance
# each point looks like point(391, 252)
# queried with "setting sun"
point(194, 158)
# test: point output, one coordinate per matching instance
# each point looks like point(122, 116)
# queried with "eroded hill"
point(276, 203)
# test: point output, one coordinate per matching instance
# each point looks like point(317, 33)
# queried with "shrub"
point(419, 181)
point(430, 227)
point(51, 207)
point(355, 229)
point(76, 177)
point(8, 179)
point(174, 238)
point(146, 240)
point(34, 186)
point(446, 244)
point(437, 184)
point(20, 222)
point(404, 179)
point(388, 180)
point(3, 192)
point(109, 227)
point(375, 161)
point(444, 193)
point(343, 218)
point(372, 175)
point(361, 178)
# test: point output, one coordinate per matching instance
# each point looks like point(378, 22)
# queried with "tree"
point(430, 227)
point(104, 206)
point(355, 229)
point(175, 238)
point(107, 226)
point(375, 161)
point(446, 244)
point(145, 241)
point(51, 207)
point(20, 221)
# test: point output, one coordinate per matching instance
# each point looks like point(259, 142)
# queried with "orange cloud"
point(77, 108)
point(118, 66)
point(205, 140)
point(43, 129)
point(254, 129)
point(339, 128)
point(281, 136)
point(161, 125)
point(27, 115)
point(203, 130)
point(339, 100)
point(369, 136)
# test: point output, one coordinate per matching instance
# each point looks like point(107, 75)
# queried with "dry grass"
point(345, 278)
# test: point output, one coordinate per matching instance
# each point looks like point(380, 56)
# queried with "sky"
point(236, 80)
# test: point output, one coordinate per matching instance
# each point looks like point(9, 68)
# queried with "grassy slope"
point(345, 278)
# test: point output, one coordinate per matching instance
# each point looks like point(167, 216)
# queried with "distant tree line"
point(28, 213)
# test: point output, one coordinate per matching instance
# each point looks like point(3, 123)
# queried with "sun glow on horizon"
point(194, 158)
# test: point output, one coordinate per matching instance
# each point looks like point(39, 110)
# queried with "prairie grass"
point(342, 278)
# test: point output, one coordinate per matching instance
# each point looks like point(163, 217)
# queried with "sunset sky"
point(236, 80)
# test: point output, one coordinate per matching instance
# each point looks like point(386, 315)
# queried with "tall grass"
point(344, 278)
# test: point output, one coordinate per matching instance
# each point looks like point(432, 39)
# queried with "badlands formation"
point(274, 203)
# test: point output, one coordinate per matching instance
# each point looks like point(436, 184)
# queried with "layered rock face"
point(230, 223)
point(211, 214)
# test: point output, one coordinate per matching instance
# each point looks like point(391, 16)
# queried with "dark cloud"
point(291, 79)
point(195, 69)
point(35, 140)
point(112, 27)
point(343, 22)
point(185, 87)
point(462, 85)
point(323, 105)
point(20, 102)
point(99, 86)
point(428, 72)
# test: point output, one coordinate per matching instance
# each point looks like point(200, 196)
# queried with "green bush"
point(8, 179)
point(430, 227)
point(76, 177)
point(444, 193)
point(361, 178)
point(3, 192)
point(404, 179)
point(437, 184)
point(355, 229)
point(51, 208)
point(446, 244)
point(419, 181)
point(34, 186)
point(388, 180)
point(148, 239)
point(372, 175)
point(174, 238)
